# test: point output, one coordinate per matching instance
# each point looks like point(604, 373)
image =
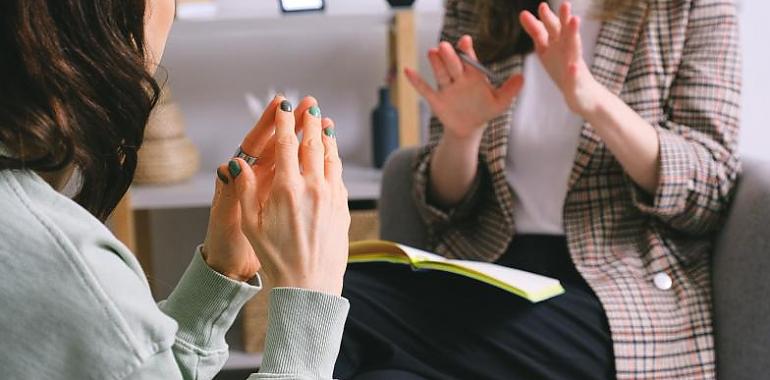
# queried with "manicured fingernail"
point(235, 168)
point(223, 177)
point(330, 132)
point(315, 111)
point(286, 106)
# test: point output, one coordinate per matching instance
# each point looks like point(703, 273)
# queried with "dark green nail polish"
point(315, 111)
point(330, 132)
point(235, 168)
point(286, 106)
point(223, 177)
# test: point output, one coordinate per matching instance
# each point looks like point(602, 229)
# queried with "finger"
point(439, 70)
point(246, 188)
point(508, 91)
point(267, 160)
point(535, 29)
point(225, 198)
point(574, 41)
point(332, 162)
point(311, 150)
point(422, 87)
point(222, 180)
point(466, 46)
point(452, 62)
point(286, 143)
point(549, 19)
point(565, 12)
point(258, 136)
point(302, 108)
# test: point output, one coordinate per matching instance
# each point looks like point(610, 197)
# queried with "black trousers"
point(433, 325)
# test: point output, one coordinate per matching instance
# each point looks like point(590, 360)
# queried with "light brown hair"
point(500, 34)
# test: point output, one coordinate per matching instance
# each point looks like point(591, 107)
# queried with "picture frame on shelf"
point(292, 6)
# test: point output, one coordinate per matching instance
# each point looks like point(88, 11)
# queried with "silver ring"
point(239, 153)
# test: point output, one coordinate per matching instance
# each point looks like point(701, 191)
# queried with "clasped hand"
point(288, 213)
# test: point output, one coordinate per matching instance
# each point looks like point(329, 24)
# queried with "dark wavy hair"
point(500, 34)
point(74, 89)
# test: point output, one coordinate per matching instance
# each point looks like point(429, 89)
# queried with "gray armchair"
point(741, 263)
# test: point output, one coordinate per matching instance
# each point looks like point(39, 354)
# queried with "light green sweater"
point(75, 304)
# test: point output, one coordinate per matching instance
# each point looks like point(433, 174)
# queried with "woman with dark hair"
point(77, 90)
point(601, 152)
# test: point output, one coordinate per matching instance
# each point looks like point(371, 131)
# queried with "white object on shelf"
point(363, 184)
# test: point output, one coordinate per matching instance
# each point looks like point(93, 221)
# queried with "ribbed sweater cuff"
point(304, 333)
point(205, 304)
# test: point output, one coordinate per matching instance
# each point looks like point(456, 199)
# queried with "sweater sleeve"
point(204, 304)
point(304, 333)
point(303, 339)
point(699, 165)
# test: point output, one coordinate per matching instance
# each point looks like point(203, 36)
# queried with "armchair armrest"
point(741, 268)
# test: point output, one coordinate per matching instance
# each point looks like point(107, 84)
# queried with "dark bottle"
point(400, 3)
point(384, 129)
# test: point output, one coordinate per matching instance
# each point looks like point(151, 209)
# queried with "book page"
point(526, 281)
point(418, 255)
point(533, 287)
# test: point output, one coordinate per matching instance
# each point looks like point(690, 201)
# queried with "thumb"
point(509, 90)
point(245, 189)
point(466, 46)
point(225, 198)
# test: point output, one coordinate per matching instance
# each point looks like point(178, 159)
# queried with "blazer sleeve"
point(699, 165)
point(437, 218)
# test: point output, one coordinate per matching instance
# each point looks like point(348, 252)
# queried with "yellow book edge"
point(382, 251)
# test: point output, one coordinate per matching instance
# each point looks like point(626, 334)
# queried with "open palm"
point(465, 99)
point(559, 46)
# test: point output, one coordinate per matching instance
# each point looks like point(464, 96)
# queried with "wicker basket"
point(167, 161)
point(365, 225)
point(167, 155)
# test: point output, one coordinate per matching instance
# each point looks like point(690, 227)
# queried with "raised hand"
point(298, 221)
point(559, 45)
point(226, 249)
point(465, 99)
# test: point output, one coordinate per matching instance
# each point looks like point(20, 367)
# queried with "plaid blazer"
point(677, 63)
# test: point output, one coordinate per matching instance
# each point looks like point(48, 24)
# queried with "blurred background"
point(227, 58)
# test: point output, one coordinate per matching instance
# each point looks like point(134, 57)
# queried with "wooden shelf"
point(363, 185)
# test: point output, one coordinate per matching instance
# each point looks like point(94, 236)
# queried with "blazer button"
point(663, 281)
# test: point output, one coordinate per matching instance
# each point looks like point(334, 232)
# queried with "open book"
point(530, 286)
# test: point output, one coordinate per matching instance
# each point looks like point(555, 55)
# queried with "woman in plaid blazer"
point(652, 178)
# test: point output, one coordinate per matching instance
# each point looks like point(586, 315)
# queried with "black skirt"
point(406, 324)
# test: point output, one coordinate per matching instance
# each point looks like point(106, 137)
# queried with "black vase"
point(400, 3)
point(384, 129)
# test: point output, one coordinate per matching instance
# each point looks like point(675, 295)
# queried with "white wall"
point(755, 33)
